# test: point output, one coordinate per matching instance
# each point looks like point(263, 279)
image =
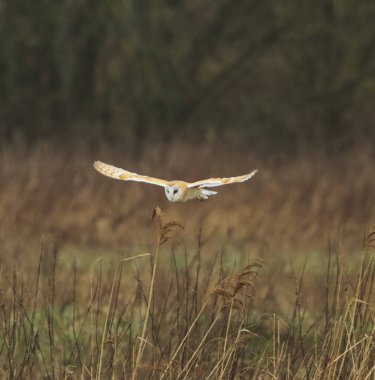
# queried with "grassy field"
point(268, 279)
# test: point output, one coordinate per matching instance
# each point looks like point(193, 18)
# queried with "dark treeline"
point(248, 71)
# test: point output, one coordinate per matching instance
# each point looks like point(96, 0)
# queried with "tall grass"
point(181, 324)
point(265, 281)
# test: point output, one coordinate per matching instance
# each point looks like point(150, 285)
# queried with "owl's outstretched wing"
point(118, 173)
point(213, 182)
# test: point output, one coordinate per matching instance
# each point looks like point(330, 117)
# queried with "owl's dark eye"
point(175, 191)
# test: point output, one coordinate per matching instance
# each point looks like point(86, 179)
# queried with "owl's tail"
point(204, 193)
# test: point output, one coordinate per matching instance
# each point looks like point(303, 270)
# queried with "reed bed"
point(269, 280)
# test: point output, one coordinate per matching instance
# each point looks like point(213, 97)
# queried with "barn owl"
point(175, 191)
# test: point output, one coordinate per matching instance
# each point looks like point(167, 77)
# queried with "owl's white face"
point(173, 193)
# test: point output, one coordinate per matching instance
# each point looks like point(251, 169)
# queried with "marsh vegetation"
point(272, 279)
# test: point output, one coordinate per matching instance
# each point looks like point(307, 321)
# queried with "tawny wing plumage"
point(118, 173)
point(213, 182)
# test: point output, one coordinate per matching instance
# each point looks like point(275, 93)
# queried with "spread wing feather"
point(118, 173)
point(213, 182)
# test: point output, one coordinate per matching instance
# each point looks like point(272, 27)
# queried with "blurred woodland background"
point(282, 74)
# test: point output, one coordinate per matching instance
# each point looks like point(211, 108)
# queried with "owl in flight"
point(175, 191)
